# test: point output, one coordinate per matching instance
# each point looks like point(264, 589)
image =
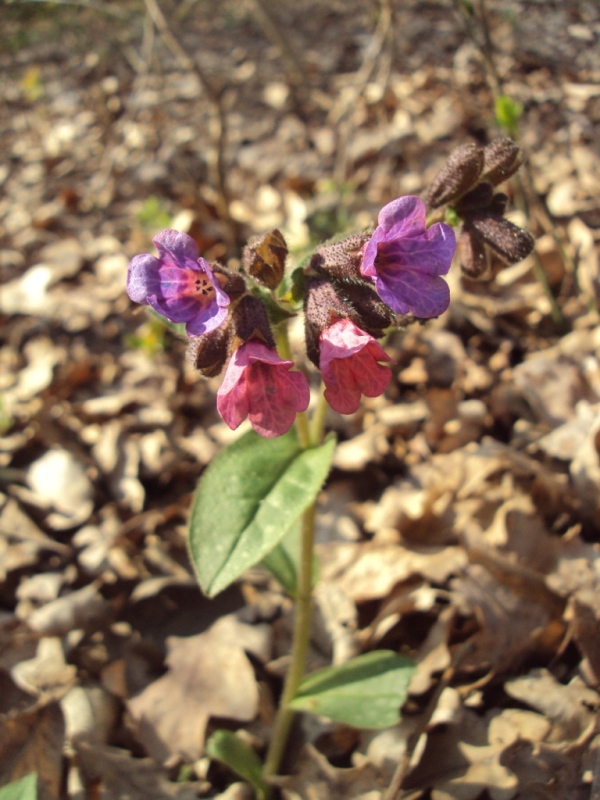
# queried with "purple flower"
point(178, 284)
point(259, 385)
point(404, 259)
point(350, 365)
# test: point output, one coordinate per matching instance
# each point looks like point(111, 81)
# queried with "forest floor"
point(461, 523)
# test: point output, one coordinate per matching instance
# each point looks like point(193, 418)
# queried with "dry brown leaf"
point(367, 571)
point(570, 708)
point(109, 773)
point(48, 674)
point(317, 779)
point(32, 741)
point(516, 615)
point(462, 760)
point(208, 675)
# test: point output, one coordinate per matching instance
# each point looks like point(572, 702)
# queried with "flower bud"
point(477, 199)
point(509, 241)
point(473, 256)
point(231, 282)
point(264, 258)
point(209, 353)
point(502, 158)
point(340, 259)
point(457, 176)
point(322, 307)
point(251, 322)
point(370, 313)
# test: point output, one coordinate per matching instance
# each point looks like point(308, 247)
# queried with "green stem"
point(301, 637)
point(317, 427)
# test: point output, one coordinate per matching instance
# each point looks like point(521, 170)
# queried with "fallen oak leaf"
point(209, 675)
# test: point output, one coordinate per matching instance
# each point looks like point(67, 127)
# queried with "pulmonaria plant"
point(351, 292)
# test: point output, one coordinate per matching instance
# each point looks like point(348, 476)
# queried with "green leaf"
point(247, 500)
point(366, 692)
point(284, 560)
point(23, 789)
point(230, 750)
point(508, 114)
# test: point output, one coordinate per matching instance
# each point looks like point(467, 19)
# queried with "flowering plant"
point(351, 292)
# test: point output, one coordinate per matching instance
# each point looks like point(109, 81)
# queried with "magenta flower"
point(178, 284)
point(259, 385)
point(404, 259)
point(350, 365)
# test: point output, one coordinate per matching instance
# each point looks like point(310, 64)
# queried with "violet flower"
point(259, 385)
point(350, 365)
point(178, 284)
point(404, 259)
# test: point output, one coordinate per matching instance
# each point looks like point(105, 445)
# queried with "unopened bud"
point(264, 258)
point(478, 199)
point(231, 282)
point(370, 313)
point(340, 259)
point(457, 176)
point(322, 307)
point(473, 256)
point(251, 322)
point(209, 353)
point(509, 241)
point(502, 158)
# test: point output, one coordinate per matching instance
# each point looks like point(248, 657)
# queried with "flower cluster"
point(466, 183)
point(351, 291)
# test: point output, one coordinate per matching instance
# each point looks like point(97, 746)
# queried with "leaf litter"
point(461, 524)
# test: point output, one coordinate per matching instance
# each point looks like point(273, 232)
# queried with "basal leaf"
point(247, 500)
point(228, 748)
point(366, 692)
point(23, 789)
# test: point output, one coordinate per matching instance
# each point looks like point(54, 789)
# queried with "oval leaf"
point(23, 789)
point(247, 500)
point(366, 692)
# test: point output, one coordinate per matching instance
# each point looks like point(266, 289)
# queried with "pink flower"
point(259, 385)
point(405, 260)
point(350, 365)
point(178, 284)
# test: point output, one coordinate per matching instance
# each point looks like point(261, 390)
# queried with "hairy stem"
point(301, 637)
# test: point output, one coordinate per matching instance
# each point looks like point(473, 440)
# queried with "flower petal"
point(143, 277)
point(349, 363)
point(404, 216)
point(178, 247)
point(431, 251)
point(410, 292)
point(258, 384)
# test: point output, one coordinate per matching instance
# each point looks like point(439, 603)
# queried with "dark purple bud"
point(264, 258)
point(509, 241)
point(498, 204)
point(209, 353)
point(473, 256)
point(477, 199)
point(370, 313)
point(322, 307)
point(502, 158)
point(457, 176)
point(251, 322)
point(340, 259)
point(231, 282)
